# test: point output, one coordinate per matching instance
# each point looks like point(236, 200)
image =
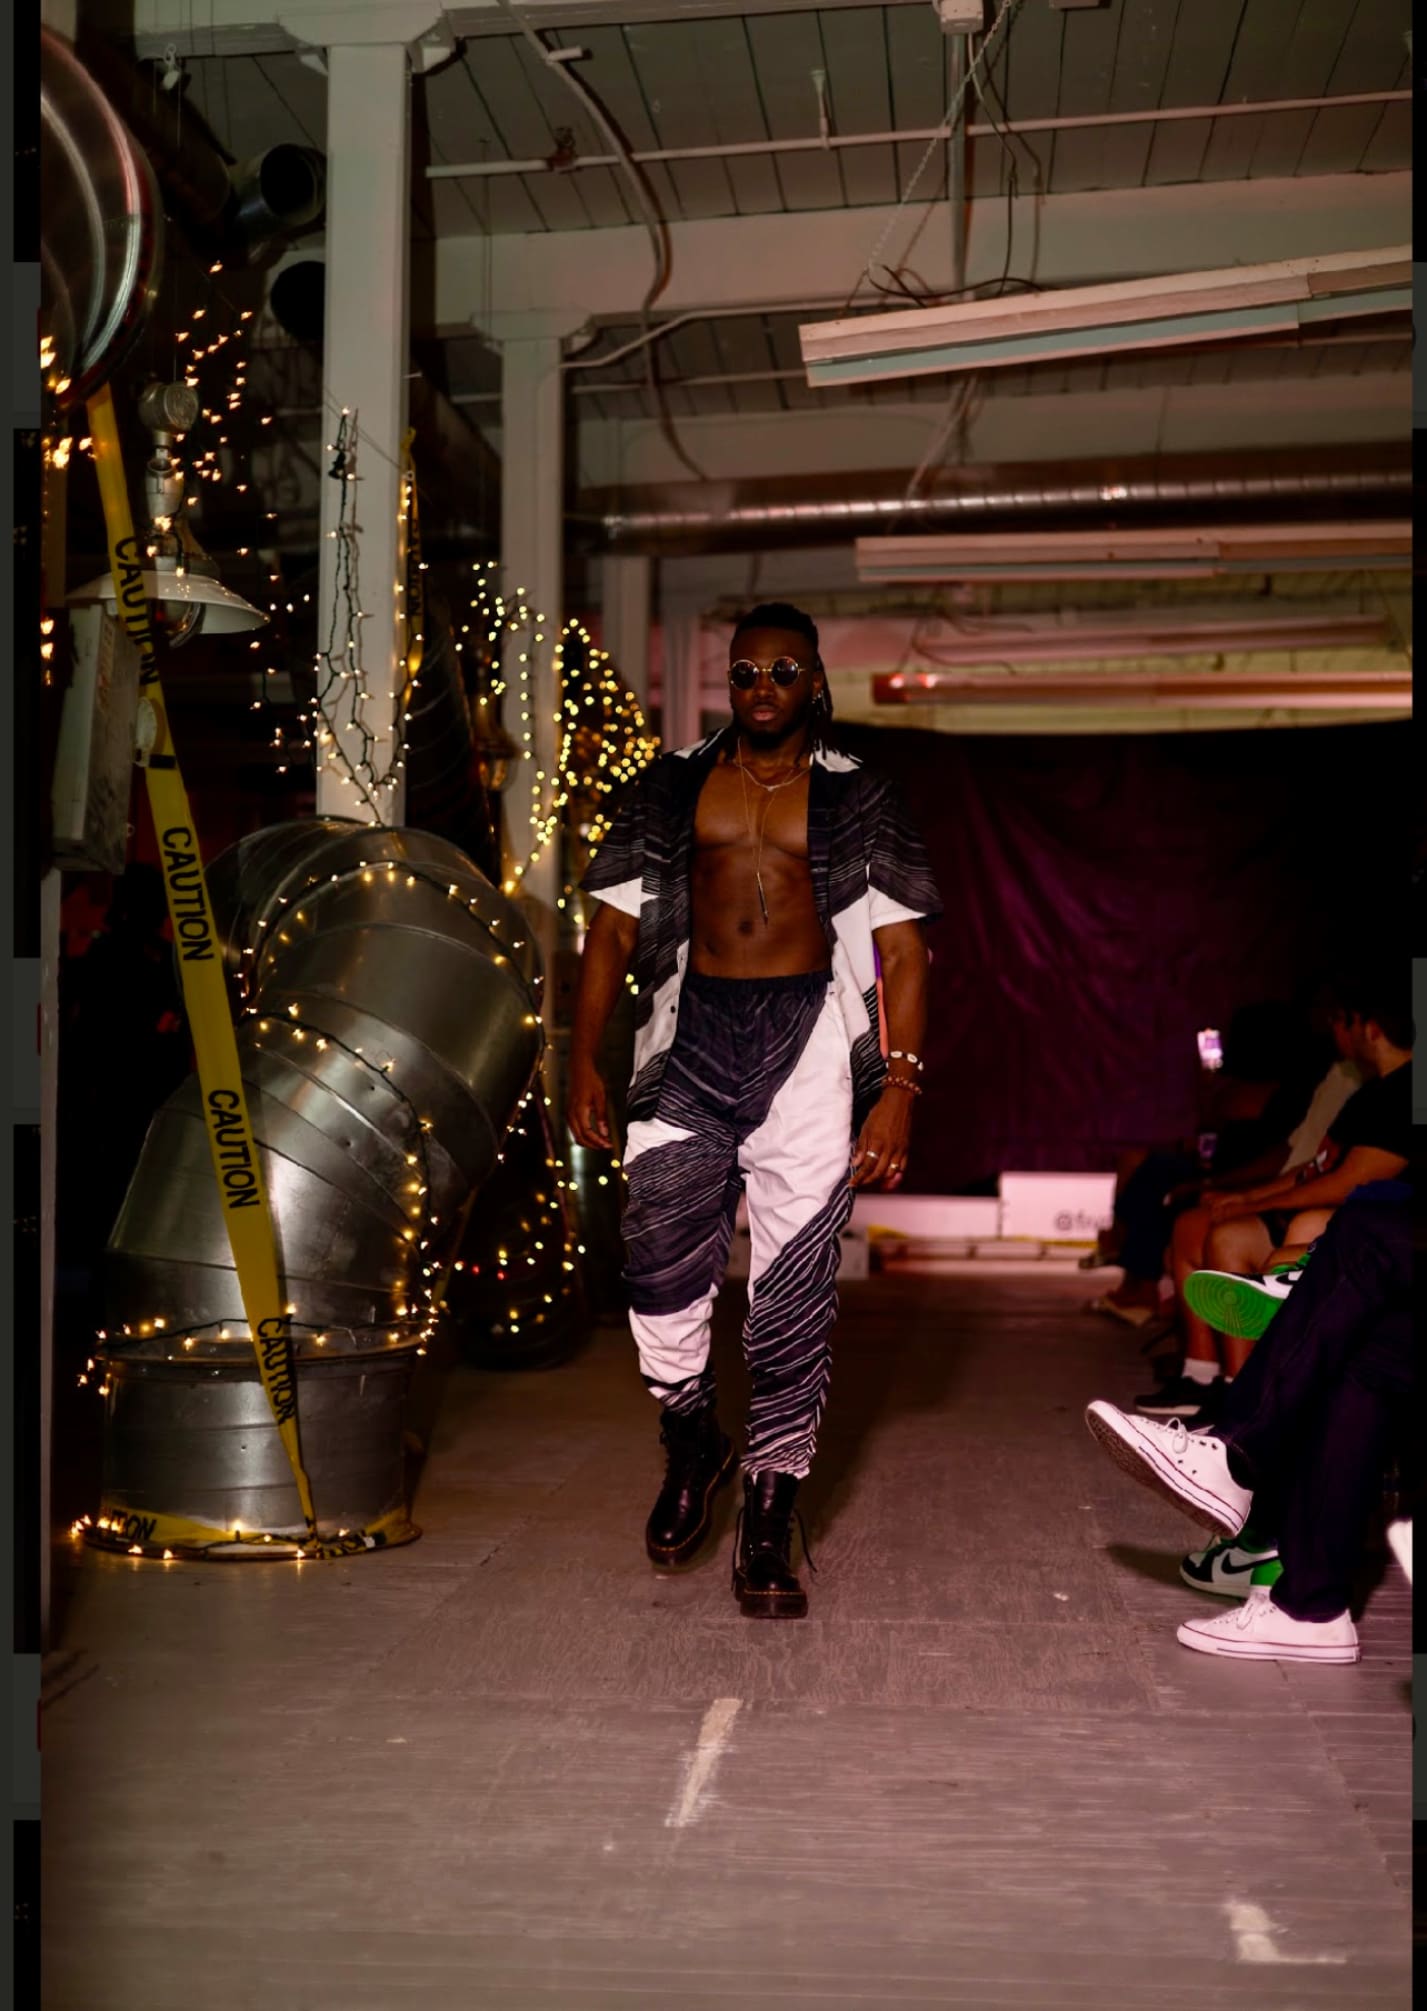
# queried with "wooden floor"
point(511, 1766)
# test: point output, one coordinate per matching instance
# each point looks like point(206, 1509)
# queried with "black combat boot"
point(700, 1460)
point(763, 1575)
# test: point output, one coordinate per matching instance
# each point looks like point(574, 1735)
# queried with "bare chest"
point(734, 812)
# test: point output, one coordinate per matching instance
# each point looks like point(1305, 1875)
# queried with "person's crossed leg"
point(1301, 1441)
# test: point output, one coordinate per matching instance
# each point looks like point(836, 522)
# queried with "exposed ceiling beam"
point(252, 28)
point(720, 263)
point(631, 453)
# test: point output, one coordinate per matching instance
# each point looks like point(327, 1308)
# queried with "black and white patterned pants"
point(756, 1094)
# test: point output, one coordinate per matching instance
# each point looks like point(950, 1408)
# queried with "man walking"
point(746, 883)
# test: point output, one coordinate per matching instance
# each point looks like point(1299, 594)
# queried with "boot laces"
point(802, 1532)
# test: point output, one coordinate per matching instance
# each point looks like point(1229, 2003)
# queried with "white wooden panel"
point(1308, 62)
point(446, 103)
point(1373, 58)
point(1200, 56)
point(677, 100)
point(1255, 72)
point(234, 100)
point(693, 352)
point(502, 201)
point(723, 62)
point(1391, 145)
point(855, 47)
point(1030, 72)
point(1141, 70)
point(786, 50)
point(1087, 74)
point(604, 192)
point(787, 354)
point(916, 57)
point(302, 91)
point(610, 74)
point(743, 345)
point(520, 128)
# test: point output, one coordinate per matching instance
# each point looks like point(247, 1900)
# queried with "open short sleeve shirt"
point(869, 869)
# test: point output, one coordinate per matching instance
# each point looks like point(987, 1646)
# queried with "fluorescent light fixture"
point(1212, 691)
point(1166, 552)
point(1076, 635)
point(1219, 306)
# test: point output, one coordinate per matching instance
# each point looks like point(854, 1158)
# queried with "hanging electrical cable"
point(559, 60)
point(1004, 14)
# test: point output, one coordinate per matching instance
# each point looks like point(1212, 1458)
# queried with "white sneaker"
point(1191, 1469)
point(1258, 1632)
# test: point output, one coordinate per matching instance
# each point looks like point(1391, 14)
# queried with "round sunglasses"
point(784, 670)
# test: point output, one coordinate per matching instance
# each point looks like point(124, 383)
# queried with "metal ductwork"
point(244, 209)
point(999, 496)
point(275, 195)
point(101, 231)
point(396, 1035)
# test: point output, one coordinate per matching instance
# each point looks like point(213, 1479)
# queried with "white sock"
point(1201, 1372)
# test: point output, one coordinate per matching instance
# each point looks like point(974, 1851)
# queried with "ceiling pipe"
point(818, 143)
point(1016, 494)
point(249, 209)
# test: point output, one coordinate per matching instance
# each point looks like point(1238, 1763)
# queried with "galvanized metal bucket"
point(195, 1441)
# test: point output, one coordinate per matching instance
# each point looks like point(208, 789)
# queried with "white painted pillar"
point(681, 720)
point(625, 585)
point(532, 571)
point(366, 342)
point(51, 943)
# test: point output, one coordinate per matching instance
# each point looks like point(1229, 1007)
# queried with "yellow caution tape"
point(410, 559)
point(236, 1161)
point(138, 1533)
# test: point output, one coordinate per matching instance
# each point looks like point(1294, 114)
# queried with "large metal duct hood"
point(101, 230)
point(395, 1037)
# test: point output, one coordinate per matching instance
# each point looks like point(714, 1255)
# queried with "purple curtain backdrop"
point(1106, 897)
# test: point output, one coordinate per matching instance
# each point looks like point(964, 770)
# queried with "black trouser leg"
point(1141, 1213)
point(1360, 1269)
point(1335, 1478)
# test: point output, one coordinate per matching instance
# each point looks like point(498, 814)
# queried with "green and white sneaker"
point(1230, 1568)
point(1244, 1307)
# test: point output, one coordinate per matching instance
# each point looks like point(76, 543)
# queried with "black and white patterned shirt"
point(869, 869)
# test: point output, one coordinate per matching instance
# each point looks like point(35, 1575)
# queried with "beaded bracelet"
point(902, 1054)
point(904, 1082)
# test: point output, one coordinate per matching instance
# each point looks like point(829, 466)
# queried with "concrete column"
point(625, 582)
point(51, 944)
point(364, 364)
point(532, 571)
point(682, 707)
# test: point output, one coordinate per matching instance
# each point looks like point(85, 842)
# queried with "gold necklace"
point(770, 789)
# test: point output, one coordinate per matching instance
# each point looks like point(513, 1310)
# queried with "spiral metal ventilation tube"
point(390, 1037)
point(101, 232)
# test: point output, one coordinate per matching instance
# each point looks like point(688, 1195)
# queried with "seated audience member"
point(1300, 1445)
point(1249, 1229)
point(1276, 1079)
